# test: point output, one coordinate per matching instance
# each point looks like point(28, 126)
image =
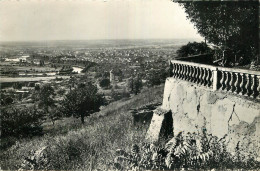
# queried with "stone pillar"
point(161, 125)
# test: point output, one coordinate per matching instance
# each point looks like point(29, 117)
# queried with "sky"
point(35, 20)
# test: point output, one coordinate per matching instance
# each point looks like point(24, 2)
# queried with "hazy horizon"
point(57, 40)
point(29, 21)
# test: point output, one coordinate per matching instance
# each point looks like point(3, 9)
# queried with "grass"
point(70, 146)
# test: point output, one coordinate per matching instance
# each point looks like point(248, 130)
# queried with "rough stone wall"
point(195, 108)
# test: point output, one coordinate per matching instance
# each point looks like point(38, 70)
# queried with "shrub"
point(192, 151)
point(104, 83)
point(157, 77)
point(194, 48)
point(21, 122)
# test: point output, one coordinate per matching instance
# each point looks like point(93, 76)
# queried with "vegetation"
point(46, 97)
point(135, 85)
point(157, 77)
point(191, 151)
point(104, 83)
point(88, 147)
point(21, 122)
point(229, 25)
point(119, 95)
point(82, 101)
point(194, 48)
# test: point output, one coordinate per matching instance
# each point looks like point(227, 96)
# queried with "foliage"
point(6, 100)
point(191, 151)
point(18, 85)
point(156, 77)
point(135, 84)
point(55, 114)
point(104, 82)
point(87, 147)
point(21, 122)
point(88, 65)
point(116, 95)
point(82, 101)
point(46, 96)
point(231, 25)
point(61, 91)
point(37, 87)
point(194, 48)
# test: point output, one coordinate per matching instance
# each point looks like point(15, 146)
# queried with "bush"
point(104, 83)
point(119, 95)
point(194, 48)
point(88, 147)
point(157, 77)
point(183, 152)
point(21, 122)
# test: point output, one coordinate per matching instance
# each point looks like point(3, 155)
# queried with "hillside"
point(70, 146)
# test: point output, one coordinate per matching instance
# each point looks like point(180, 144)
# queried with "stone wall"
point(195, 108)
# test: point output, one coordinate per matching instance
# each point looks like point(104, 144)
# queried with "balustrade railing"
point(238, 81)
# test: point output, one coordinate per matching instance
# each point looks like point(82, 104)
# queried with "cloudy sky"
point(27, 20)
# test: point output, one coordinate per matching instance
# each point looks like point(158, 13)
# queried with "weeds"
point(87, 147)
point(191, 151)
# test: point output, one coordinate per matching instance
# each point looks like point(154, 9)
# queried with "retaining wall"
point(195, 108)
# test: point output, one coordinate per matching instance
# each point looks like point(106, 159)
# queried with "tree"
point(230, 25)
point(194, 48)
point(104, 82)
point(46, 96)
point(55, 114)
point(7, 101)
point(82, 101)
point(135, 84)
point(156, 77)
point(22, 122)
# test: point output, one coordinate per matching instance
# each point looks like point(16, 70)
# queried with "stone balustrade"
point(238, 81)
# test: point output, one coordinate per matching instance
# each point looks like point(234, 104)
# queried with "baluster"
point(184, 72)
point(237, 83)
point(222, 81)
point(205, 77)
point(190, 73)
point(187, 72)
point(258, 87)
point(194, 74)
point(201, 76)
point(171, 69)
point(197, 75)
point(227, 81)
point(253, 86)
point(215, 75)
point(181, 70)
point(232, 82)
point(177, 70)
point(209, 78)
point(248, 83)
point(243, 84)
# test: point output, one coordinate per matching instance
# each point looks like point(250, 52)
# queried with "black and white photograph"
point(97, 85)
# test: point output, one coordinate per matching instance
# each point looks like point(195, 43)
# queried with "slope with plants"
point(87, 147)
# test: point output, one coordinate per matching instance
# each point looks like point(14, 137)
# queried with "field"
point(70, 146)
